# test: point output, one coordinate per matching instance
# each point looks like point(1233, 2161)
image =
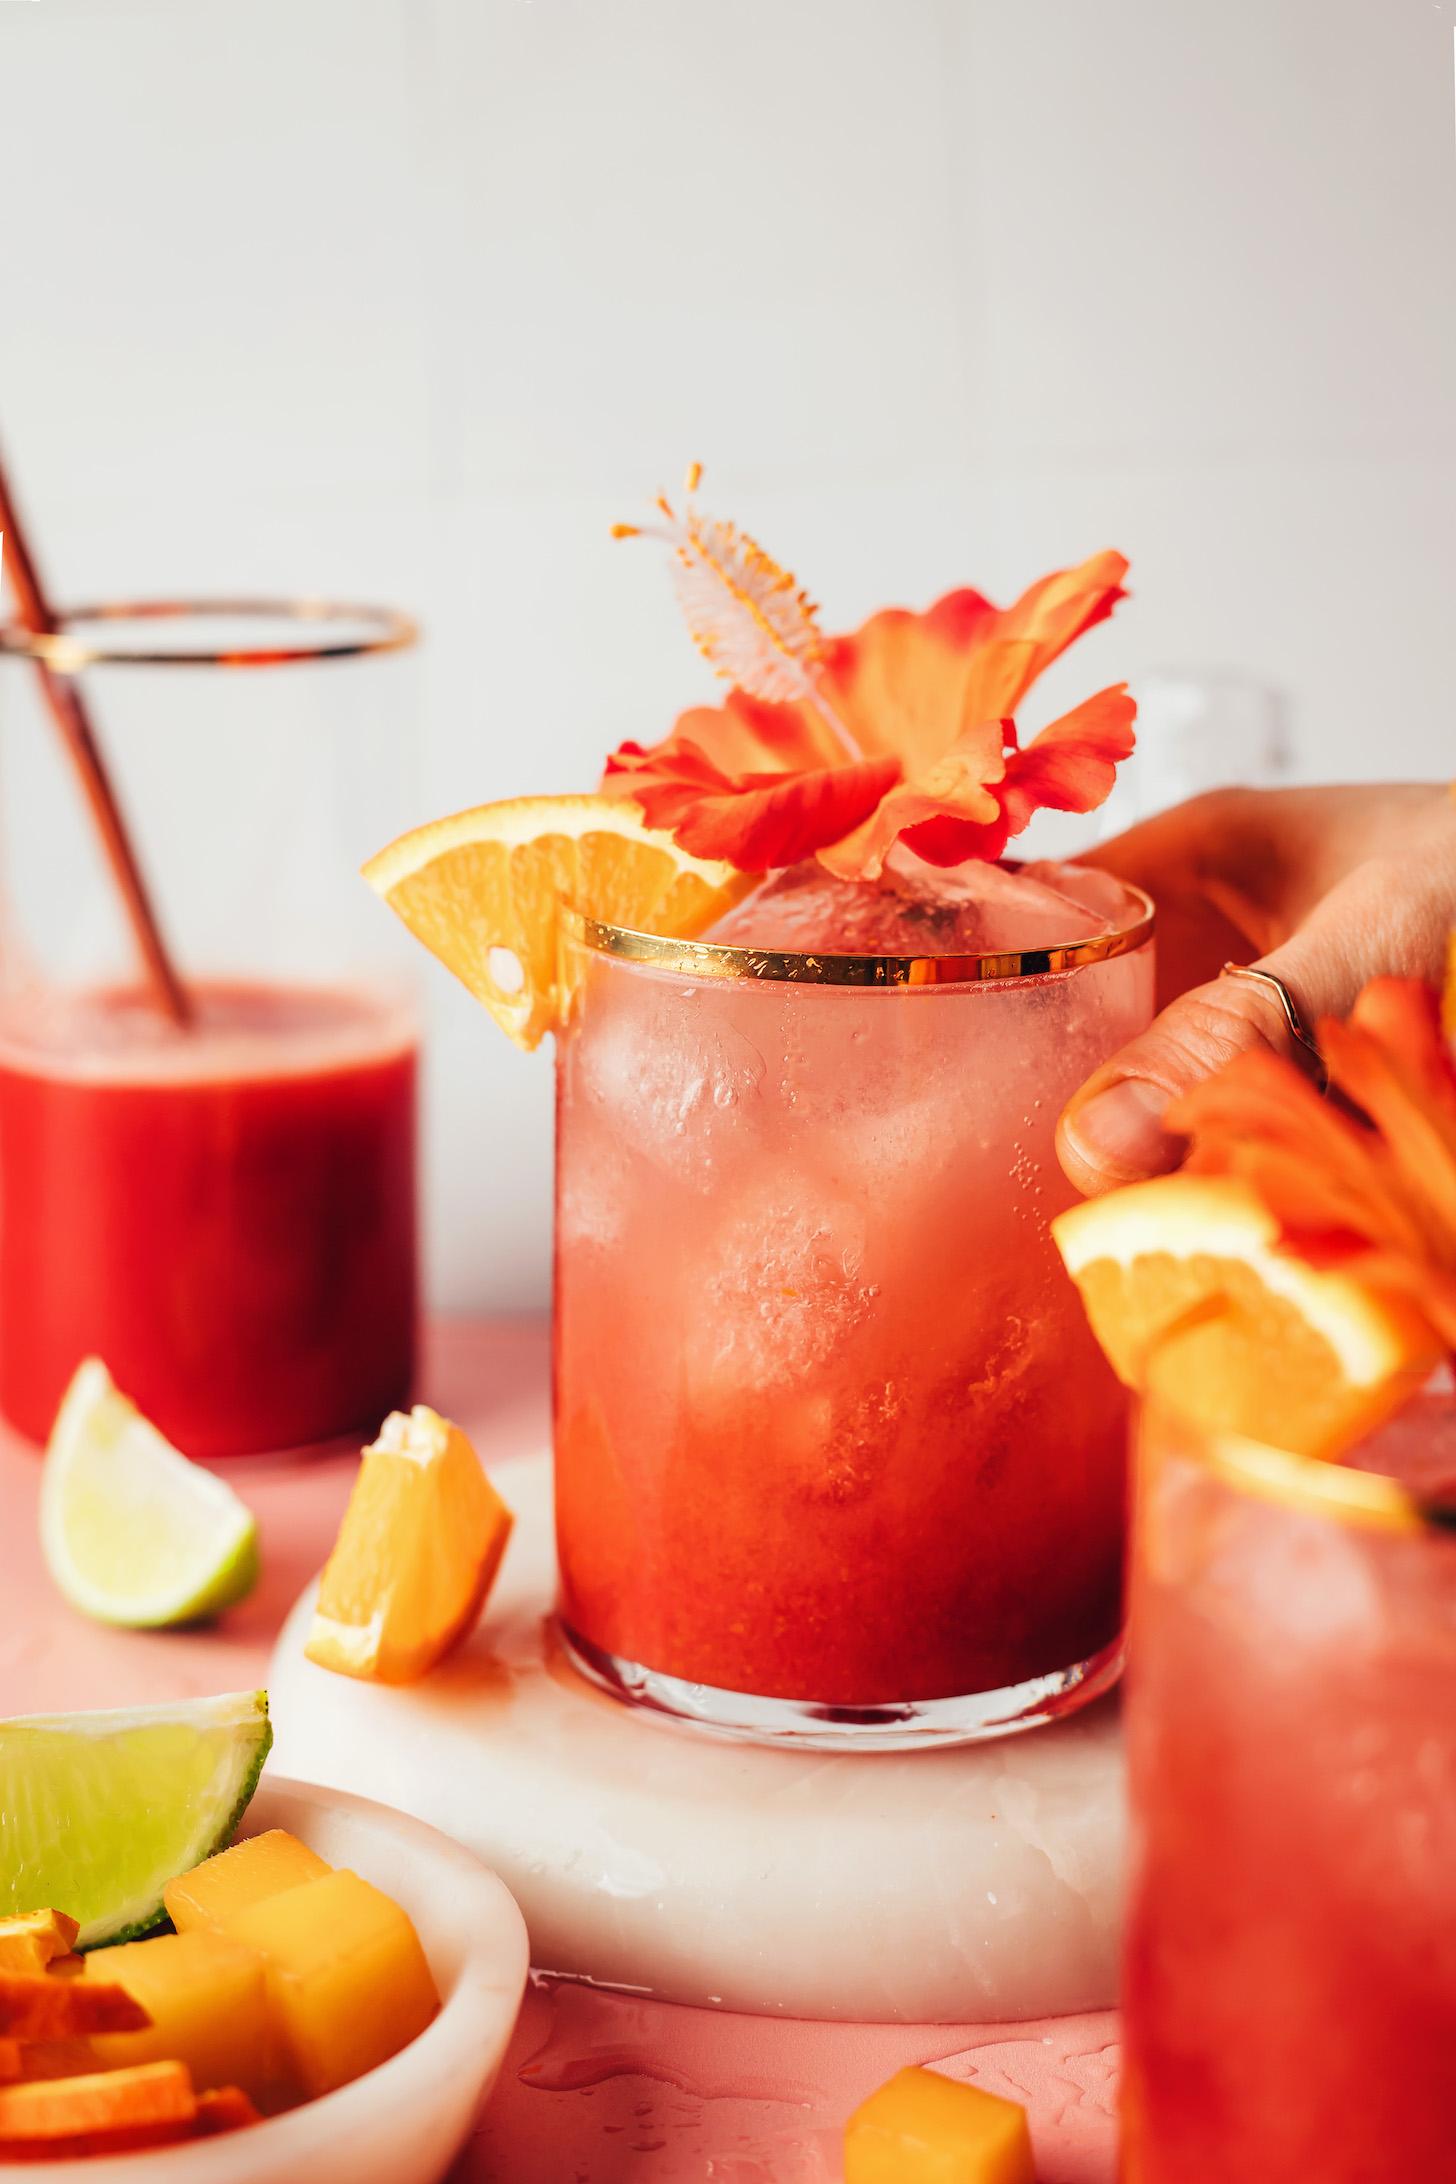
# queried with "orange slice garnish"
point(492, 884)
point(1184, 1282)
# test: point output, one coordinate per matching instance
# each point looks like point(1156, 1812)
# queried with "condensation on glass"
point(837, 1458)
point(1290, 1980)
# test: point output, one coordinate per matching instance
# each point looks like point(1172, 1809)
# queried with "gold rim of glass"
point(1316, 1485)
point(66, 651)
point(719, 959)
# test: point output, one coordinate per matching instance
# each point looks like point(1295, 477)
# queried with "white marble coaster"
point(939, 1887)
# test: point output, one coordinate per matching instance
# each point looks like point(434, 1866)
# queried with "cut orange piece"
point(57, 2058)
point(30, 1940)
point(417, 1553)
point(45, 2008)
point(107, 2100)
point(490, 885)
point(1267, 1346)
point(122, 2138)
point(224, 2108)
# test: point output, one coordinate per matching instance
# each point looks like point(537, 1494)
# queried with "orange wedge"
point(417, 1553)
point(1183, 1279)
point(485, 891)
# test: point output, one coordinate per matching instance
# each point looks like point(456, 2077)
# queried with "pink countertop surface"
point(598, 2088)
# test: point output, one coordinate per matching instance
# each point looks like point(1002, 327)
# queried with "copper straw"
point(68, 710)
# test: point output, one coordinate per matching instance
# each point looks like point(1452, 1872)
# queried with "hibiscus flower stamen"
point(752, 622)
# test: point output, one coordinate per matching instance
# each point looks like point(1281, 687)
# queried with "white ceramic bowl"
point(405, 2122)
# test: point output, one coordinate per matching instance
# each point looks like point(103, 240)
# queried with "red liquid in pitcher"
point(225, 1215)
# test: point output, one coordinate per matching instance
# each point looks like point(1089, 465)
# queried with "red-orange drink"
point(1290, 1983)
point(226, 1216)
point(833, 1440)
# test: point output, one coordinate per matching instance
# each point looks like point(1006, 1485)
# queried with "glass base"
point(916, 1725)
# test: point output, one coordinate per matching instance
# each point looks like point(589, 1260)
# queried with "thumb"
point(1111, 1132)
point(1389, 916)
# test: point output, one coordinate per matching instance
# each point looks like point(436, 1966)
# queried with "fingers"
point(1237, 871)
point(1112, 1132)
point(1390, 916)
point(1281, 850)
point(1216, 870)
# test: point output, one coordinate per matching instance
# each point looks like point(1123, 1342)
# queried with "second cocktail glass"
point(1291, 1957)
point(837, 1457)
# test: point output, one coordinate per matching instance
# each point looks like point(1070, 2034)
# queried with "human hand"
point(1327, 888)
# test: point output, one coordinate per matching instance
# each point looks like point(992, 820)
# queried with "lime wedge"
point(132, 1532)
point(99, 1811)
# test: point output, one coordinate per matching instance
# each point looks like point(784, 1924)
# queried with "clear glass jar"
point(223, 1210)
point(837, 1457)
point(1290, 1977)
point(1198, 729)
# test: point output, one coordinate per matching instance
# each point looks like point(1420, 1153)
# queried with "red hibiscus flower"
point(1370, 1184)
point(904, 731)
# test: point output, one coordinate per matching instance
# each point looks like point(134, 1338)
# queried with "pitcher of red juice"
point(223, 1209)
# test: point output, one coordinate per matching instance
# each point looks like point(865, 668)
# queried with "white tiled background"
point(410, 298)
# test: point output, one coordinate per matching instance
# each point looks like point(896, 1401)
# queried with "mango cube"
point(207, 1998)
point(348, 1984)
point(922, 2128)
point(234, 1880)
